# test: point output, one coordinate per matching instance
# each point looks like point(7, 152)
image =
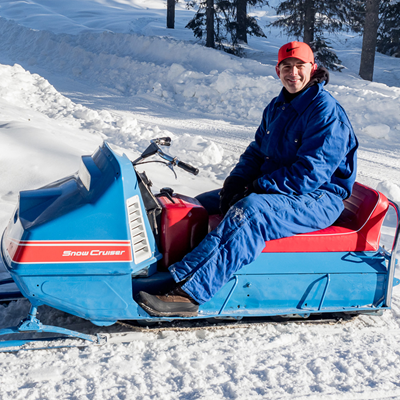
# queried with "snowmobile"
point(88, 243)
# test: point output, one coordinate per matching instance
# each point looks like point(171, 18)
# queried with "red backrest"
point(364, 212)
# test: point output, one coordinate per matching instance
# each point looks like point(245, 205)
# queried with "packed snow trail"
point(355, 360)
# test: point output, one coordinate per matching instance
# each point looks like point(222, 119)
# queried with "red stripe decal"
point(69, 252)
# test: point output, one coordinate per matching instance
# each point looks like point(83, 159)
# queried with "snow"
point(75, 73)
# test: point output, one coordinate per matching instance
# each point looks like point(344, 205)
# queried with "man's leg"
point(241, 236)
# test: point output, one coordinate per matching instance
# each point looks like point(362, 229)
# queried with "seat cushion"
point(357, 229)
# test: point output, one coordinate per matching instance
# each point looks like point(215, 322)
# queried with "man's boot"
point(175, 303)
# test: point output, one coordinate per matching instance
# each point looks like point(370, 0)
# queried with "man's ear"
point(278, 72)
point(314, 67)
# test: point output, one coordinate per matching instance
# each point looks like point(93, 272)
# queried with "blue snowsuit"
point(303, 162)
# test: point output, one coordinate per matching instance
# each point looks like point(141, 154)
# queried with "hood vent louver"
point(140, 241)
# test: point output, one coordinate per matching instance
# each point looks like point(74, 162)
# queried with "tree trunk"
point(369, 40)
point(210, 24)
point(171, 14)
point(309, 21)
point(241, 14)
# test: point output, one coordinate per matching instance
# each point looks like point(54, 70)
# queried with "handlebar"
point(171, 161)
point(187, 167)
point(175, 161)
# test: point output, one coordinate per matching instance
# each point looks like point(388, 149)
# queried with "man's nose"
point(294, 70)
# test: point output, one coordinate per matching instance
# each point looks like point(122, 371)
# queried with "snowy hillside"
point(75, 73)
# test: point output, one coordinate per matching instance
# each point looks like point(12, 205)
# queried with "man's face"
point(295, 74)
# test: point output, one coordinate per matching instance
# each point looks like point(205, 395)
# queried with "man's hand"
point(253, 187)
point(232, 191)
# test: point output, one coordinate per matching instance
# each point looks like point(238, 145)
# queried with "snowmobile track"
point(217, 324)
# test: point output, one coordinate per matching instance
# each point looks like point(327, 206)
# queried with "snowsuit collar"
point(303, 100)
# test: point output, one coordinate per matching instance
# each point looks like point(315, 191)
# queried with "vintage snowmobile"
point(88, 243)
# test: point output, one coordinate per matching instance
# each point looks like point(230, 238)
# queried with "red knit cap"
point(299, 50)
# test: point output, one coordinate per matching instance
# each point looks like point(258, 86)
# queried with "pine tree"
point(312, 20)
point(231, 24)
point(388, 40)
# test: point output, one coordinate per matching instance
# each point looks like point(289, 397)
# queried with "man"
point(291, 179)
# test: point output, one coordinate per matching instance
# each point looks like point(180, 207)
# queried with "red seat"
point(357, 229)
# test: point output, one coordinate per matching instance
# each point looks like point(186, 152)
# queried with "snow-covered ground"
point(75, 73)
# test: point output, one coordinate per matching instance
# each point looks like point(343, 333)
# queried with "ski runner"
point(291, 179)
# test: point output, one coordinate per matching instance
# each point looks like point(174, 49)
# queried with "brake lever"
point(170, 165)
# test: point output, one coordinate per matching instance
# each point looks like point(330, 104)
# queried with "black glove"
point(232, 191)
point(253, 187)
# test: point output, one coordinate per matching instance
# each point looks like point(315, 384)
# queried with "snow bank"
point(178, 73)
point(20, 88)
point(43, 134)
point(189, 77)
point(76, 16)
